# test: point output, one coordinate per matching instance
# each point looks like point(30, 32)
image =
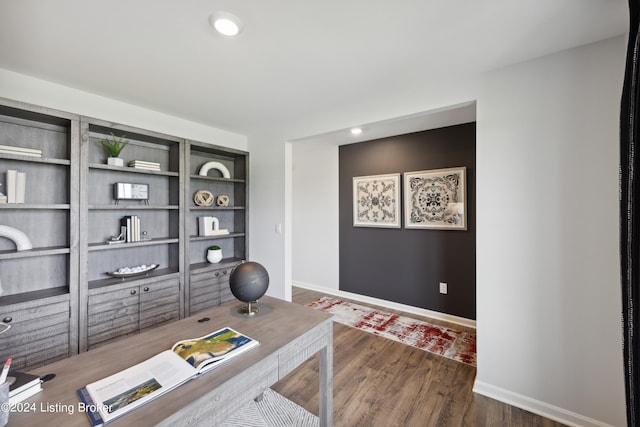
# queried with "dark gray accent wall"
point(407, 265)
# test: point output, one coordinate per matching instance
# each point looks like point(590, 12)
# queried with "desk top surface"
point(277, 324)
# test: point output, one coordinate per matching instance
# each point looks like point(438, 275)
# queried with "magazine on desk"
point(124, 391)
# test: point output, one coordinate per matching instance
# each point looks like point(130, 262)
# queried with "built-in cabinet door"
point(119, 310)
point(112, 314)
point(159, 303)
point(210, 287)
point(39, 332)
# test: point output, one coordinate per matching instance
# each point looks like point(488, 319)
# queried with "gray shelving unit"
point(58, 296)
point(40, 285)
point(105, 313)
point(208, 284)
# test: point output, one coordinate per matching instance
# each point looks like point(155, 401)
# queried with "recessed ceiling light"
point(356, 131)
point(225, 23)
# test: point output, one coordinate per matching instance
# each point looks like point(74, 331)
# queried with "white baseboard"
point(469, 323)
point(514, 399)
point(535, 406)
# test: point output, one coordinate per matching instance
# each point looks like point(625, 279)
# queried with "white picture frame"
point(436, 199)
point(376, 201)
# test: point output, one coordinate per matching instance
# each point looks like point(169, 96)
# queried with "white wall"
point(315, 214)
point(39, 92)
point(548, 292)
point(268, 211)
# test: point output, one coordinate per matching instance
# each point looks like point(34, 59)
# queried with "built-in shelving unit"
point(58, 296)
point(101, 216)
point(40, 285)
point(232, 217)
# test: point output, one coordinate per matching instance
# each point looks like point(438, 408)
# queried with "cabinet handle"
point(224, 272)
point(217, 273)
point(7, 319)
point(146, 289)
point(133, 292)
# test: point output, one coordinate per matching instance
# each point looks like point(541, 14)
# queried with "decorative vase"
point(214, 256)
point(115, 161)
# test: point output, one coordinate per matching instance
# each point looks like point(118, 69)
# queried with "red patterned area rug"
point(443, 341)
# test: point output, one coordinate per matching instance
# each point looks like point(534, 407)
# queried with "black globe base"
point(250, 309)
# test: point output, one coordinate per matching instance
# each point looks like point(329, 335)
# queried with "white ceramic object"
point(210, 226)
point(214, 256)
point(18, 237)
point(214, 165)
point(115, 161)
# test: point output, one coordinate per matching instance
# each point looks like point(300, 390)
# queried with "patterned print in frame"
point(376, 201)
point(436, 199)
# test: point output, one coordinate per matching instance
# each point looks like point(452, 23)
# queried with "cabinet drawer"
point(222, 273)
point(28, 312)
point(38, 333)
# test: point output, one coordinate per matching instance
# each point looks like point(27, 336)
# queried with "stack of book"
point(141, 164)
point(24, 386)
point(16, 184)
point(31, 152)
point(130, 226)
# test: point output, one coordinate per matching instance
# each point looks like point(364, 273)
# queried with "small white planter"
point(115, 161)
point(214, 256)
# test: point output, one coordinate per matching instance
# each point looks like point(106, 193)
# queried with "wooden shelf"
point(28, 297)
point(217, 178)
point(223, 236)
point(35, 252)
point(132, 207)
point(200, 267)
point(153, 276)
point(27, 206)
point(132, 170)
point(31, 159)
point(217, 208)
point(107, 247)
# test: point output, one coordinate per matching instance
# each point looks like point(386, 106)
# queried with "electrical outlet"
point(443, 287)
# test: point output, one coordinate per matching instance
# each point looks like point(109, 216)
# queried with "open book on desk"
point(124, 391)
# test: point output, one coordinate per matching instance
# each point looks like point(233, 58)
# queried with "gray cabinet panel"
point(40, 285)
point(39, 331)
point(126, 308)
point(210, 288)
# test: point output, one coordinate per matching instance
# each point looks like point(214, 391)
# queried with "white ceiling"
point(294, 59)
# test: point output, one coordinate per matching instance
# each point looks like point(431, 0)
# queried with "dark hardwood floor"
point(379, 382)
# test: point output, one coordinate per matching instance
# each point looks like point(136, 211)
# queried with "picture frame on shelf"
point(436, 199)
point(376, 201)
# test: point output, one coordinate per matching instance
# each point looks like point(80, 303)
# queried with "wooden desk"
point(289, 334)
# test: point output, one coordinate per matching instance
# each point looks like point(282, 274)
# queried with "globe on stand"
point(249, 282)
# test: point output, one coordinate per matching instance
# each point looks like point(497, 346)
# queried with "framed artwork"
point(436, 199)
point(376, 201)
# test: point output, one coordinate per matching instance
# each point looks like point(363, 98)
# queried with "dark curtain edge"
point(629, 232)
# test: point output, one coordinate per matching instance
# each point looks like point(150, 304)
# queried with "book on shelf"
point(141, 164)
point(9, 149)
point(19, 153)
point(131, 230)
point(23, 386)
point(16, 186)
point(126, 390)
point(21, 183)
point(11, 185)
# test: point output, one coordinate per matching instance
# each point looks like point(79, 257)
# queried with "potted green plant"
point(214, 254)
point(113, 148)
